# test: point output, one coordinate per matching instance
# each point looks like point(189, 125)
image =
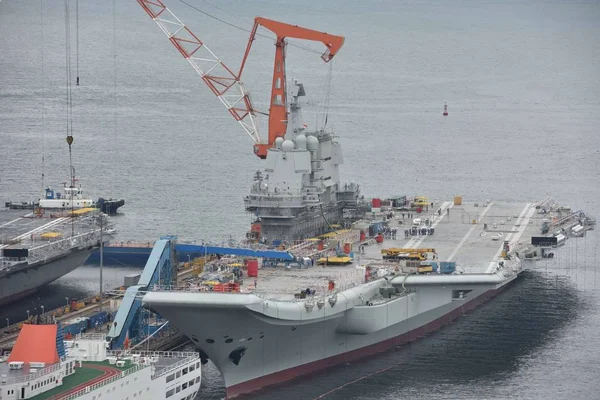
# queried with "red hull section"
point(288, 374)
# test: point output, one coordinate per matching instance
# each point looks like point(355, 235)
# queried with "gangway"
point(130, 318)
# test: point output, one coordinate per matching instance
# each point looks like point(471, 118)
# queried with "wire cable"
point(239, 27)
point(77, 37)
point(43, 96)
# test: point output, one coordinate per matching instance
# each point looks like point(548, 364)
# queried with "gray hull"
point(256, 343)
point(306, 225)
point(23, 279)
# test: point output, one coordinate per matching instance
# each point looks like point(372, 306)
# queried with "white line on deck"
point(464, 239)
point(416, 242)
point(522, 221)
point(8, 223)
point(38, 229)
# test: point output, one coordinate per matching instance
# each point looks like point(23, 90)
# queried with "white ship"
point(72, 197)
point(42, 365)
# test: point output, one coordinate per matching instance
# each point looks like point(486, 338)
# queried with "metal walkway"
point(131, 318)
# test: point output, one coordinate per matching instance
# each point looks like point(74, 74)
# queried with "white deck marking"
point(522, 221)
point(414, 243)
point(38, 229)
point(464, 239)
point(10, 222)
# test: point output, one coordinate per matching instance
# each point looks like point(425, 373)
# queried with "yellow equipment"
point(395, 253)
point(334, 260)
point(421, 201)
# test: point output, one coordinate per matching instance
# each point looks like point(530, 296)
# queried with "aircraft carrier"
point(275, 331)
point(36, 248)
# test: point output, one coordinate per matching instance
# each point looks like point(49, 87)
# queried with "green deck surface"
point(80, 376)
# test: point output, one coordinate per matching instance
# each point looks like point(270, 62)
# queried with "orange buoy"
point(445, 110)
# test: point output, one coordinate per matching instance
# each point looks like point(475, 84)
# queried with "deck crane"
point(226, 84)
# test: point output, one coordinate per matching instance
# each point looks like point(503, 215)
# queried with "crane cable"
point(69, 105)
point(43, 96)
point(77, 37)
point(239, 27)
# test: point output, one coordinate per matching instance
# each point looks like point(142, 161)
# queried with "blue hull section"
point(138, 256)
point(126, 256)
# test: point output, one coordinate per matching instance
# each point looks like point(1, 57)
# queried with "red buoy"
point(445, 110)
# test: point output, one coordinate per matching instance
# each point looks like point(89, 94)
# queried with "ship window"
point(178, 389)
point(184, 386)
point(210, 340)
point(190, 383)
point(185, 370)
point(170, 377)
point(460, 294)
point(178, 374)
point(198, 364)
point(229, 340)
point(192, 367)
point(197, 379)
point(170, 393)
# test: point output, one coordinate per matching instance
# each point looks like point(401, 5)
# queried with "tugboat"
point(71, 197)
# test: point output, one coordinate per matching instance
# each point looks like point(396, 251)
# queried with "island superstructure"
point(300, 195)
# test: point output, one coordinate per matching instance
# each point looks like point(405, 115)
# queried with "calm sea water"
point(522, 84)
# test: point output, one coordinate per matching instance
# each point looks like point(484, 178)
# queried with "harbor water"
point(523, 91)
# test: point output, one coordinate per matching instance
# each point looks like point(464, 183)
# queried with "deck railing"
point(101, 383)
point(149, 353)
point(172, 367)
point(30, 377)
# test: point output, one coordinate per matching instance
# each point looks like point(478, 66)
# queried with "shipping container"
point(447, 267)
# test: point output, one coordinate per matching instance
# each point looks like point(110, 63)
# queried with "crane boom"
point(226, 85)
point(278, 112)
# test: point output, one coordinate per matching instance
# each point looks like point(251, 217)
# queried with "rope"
point(43, 96)
point(69, 103)
point(114, 6)
point(356, 380)
point(77, 36)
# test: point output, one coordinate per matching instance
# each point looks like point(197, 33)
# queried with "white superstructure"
point(121, 375)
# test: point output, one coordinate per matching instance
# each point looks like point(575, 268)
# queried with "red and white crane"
point(226, 84)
